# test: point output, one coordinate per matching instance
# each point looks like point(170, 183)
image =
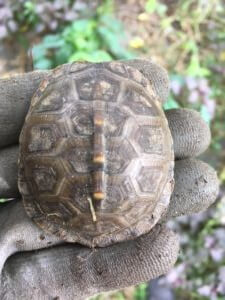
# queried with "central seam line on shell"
point(98, 154)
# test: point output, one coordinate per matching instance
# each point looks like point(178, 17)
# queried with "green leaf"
point(205, 114)
point(113, 43)
point(190, 45)
point(52, 41)
point(62, 55)
point(97, 56)
point(150, 6)
point(86, 44)
point(80, 42)
point(185, 5)
point(194, 68)
point(141, 292)
point(38, 52)
point(217, 146)
point(111, 23)
point(43, 64)
point(120, 296)
point(29, 5)
point(101, 55)
point(29, 13)
point(105, 8)
point(161, 9)
point(177, 77)
point(111, 34)
point(80, 56)
point(84, 26)
point(82, 35)
point(171, 103)
point(166, 22)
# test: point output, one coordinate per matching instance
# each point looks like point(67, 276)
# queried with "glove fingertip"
point(191, 134)
point(156, 74)
point(196, 188)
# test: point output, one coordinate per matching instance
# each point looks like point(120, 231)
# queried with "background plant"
point(96, 39)
point(19, 17)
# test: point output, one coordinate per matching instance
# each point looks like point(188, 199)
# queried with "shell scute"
point(101, 88)
point(150, 139)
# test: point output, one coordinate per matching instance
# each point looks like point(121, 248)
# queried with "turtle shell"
point(96, 158)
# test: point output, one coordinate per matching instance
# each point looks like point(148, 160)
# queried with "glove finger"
point(18, 232)
point(8, 172)
point(196, 188)
point(156, 74)
point(73, 272)
point(191, 135)
point(15, 96)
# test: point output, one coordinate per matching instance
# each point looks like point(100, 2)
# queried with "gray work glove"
point(69, 271)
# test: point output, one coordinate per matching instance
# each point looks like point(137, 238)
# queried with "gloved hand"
point(69, 271)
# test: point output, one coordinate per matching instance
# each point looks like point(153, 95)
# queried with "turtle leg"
point(157, 76)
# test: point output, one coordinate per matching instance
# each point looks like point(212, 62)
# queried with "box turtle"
point(96, 155)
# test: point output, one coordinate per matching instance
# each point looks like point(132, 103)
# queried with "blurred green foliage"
point(199, 273)
point(192, 32)
point(182, 294)
point(139, 293)
point(96, 39)
point(20, 19)
point(28, 17)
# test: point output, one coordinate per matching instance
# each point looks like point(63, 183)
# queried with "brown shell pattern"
point(96, 129)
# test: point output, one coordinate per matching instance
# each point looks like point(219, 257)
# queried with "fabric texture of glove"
point(35, 265)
